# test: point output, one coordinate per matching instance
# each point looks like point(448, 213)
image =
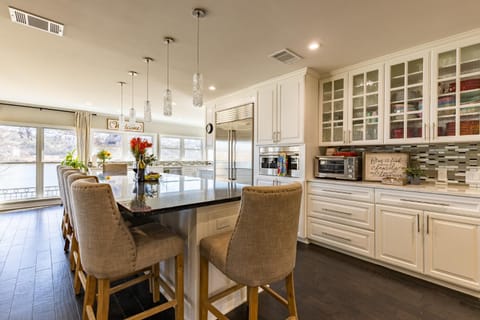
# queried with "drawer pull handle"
point(426, 202)
point(337, 191)
point(336, 211)
point(418, 223)
point(329, 235)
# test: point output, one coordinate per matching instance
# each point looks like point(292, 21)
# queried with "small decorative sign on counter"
point(388, 166)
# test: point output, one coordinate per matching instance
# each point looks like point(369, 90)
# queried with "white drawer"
point(429, 201)
point(351, 239)
point(352, 213)
point(342, 191)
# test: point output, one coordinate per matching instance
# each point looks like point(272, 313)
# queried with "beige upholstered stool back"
point(68, 205)
point(60, 170)
point(115, 169)
point(262, 248)
point(107, 248)
point(70, 180)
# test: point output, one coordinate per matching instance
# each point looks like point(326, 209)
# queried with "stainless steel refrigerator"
point(234, 144)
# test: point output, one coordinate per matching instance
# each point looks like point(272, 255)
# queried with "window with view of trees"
point(179, 148)
point(24, 174)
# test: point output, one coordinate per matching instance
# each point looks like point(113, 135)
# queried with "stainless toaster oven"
point(338, 167)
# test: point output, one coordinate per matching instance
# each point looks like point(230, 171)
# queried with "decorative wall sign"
point(377, 166)
point(114, 124)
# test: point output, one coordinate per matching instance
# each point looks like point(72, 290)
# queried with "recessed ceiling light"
point(212, 88)
point(313, 46)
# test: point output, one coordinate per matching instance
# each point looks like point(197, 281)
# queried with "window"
point(178, 149)
point(118, 144)
point(23, 173)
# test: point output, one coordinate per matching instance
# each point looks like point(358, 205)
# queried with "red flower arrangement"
point(138, 146)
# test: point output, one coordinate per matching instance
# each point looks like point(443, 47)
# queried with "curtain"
point(82, 130)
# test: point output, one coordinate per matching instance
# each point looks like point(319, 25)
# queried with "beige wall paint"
point(22, 115)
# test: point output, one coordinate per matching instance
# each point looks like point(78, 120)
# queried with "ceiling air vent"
point(36, 22)
point(286, 56)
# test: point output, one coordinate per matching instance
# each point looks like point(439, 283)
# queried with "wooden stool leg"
point(179, 309)
point(292, 305)
point(203, 288)
point(155, 282)
point(103, 299)
point(73, 248)
point(252, 303)
point(77, 284)
point(89, 298)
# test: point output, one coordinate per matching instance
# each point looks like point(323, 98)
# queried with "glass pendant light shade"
point(197, 76)
point(167, 103)
point(121, 117)
point(147, 111)
point(167, 97)
point(197, 90)
point(131, 112)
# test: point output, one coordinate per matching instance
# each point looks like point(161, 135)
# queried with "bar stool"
point(60, 169)
point(67, 209)
point(79, 277)
point(115, 169)
point(260, 250)
point(109, 250)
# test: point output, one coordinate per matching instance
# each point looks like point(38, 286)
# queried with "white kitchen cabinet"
point(411, 233)
point(333, 111)
point(365, 109)
point(407, 99)
point(399, 237)
point(342, 217)
point(456, 92)
point(280, 111)
point(452, 248)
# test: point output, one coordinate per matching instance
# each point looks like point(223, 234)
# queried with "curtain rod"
point(40, 108)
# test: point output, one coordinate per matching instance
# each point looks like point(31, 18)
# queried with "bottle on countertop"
point(141, 169)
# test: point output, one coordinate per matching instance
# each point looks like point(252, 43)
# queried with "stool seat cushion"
point(215, 249)
point(154, 242)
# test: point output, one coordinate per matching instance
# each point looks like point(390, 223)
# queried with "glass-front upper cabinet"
point(333, 115)
point(406, 111)
point(456, 93)
point(366, 106)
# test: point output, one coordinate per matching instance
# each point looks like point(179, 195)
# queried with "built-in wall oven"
point(280, 161)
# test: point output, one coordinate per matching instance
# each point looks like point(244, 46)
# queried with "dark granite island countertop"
point(170, 193)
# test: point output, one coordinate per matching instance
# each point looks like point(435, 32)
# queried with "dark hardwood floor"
point(35, 283)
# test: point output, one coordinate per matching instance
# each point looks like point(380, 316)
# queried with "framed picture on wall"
point(114, 124)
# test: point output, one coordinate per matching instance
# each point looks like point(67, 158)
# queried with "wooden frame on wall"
point(114, 124)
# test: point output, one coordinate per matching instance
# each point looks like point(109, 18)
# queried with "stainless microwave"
point(338, 167)
point(280, 161)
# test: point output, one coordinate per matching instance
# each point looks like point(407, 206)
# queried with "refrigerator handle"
point(234, 155)
point(229, 158)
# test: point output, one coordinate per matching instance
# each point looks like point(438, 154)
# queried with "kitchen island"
point(192, 207)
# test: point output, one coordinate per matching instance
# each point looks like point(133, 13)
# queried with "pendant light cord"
point(132, 90)
point(148, 65)
point(198, 42)
point(121, 98)
point(168, 63)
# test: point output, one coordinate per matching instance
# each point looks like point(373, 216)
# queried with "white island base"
point(194, 225)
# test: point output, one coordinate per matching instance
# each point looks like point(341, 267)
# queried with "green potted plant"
point(414, 173)
point(73, 161)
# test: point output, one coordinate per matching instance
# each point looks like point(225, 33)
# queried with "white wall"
point(22, 115)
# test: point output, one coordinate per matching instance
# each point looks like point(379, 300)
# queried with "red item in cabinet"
point(469, 84)
point(397, 133)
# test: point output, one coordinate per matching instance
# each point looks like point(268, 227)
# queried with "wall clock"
point(209, 128)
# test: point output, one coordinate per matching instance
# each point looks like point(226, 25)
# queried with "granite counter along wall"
point(455, 157)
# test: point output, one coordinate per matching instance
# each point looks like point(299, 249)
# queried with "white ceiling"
point(105, 39)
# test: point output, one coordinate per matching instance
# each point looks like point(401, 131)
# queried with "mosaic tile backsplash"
point(455, 157)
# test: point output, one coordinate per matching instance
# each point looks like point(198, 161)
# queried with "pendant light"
point(121, 118)
point(197, 76)
point(167, 98)
point(147, 112)
point(131, 113)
